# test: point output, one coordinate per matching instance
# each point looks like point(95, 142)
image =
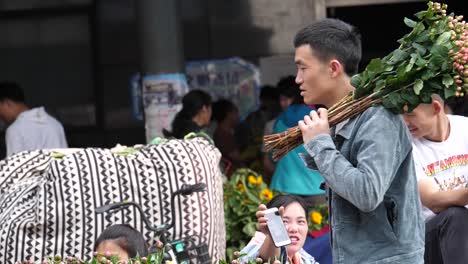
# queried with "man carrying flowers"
point(366, 161)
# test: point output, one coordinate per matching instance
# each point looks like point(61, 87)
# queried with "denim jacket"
point(375, 209)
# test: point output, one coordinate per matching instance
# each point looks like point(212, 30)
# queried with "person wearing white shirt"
point(28, 128)
point(440, 151)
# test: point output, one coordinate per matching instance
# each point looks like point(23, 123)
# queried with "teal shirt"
point(291, 174)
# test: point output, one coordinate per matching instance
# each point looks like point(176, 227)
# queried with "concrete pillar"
point(160, 36)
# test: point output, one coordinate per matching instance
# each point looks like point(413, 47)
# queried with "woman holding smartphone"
point(294, 215)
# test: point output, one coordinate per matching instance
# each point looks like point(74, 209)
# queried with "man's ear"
point(437, 106)
point(335, 67)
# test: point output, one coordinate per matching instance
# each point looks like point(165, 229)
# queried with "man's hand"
point(314, 124)
point(262, 220)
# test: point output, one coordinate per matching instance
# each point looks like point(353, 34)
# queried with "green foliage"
point(430, 59)
point(154, 258)
point(243, 193)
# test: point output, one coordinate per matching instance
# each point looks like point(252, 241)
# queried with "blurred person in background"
point(291, 175)
point(226, 115)
point(287, 91)
point(194, 115)
point(28, 128)
point(250, 132)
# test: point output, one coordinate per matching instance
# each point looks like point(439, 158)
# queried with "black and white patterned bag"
point(47, 204)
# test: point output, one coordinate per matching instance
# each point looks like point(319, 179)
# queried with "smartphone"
point(275, 224)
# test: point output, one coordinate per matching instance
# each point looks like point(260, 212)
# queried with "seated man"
point(440, 151)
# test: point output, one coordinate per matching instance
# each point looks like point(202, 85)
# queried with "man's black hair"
point(11, 91)
point(332, 38)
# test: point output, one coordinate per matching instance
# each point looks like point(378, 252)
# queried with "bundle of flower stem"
point(286, 141)
point(431, 59)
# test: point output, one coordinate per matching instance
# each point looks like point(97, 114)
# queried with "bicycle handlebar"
point(109, 207)
point(186, 189)
point(191, 188)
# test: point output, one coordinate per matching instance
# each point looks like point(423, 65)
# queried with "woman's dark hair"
point(330, 38)
point(285, 200)
point(126, 237)
point(222, 108)
point(192, 103)
point(288, 87)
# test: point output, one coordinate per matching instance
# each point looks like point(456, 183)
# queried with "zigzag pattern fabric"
point(47, 204)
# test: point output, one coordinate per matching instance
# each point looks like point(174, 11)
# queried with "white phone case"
point(278, 231)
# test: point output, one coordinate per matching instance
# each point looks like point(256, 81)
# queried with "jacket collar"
point(345, 128)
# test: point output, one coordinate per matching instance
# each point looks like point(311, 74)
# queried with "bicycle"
point(178, 251)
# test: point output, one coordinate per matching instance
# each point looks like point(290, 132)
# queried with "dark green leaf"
point(447, 80)
point(421, 62)
point(426, 98)
point(410, 23)
point(421, 14)
point(402, 73)
point(409, 97)
point(387, 103)
point(397, 56)
point(375, 65)
point(441, 27)
point(435, 62)
point(393, 102)
point(410, 65)
point(418, 85)
point(427, 74)
point(418, 28)
point(421, 49)
point(449, 93)
point(444, 39)
point(379, 85)
point(444, 66)
point(395, 99)
point(362, 91)
point(422, 37)
point(434, 84)
point(356, 81)
point(374, 68)
point(439, 50)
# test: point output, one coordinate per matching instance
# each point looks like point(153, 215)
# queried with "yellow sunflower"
point(266, 194)
point(240, 187)
point(316, 217)
point(255, 180)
